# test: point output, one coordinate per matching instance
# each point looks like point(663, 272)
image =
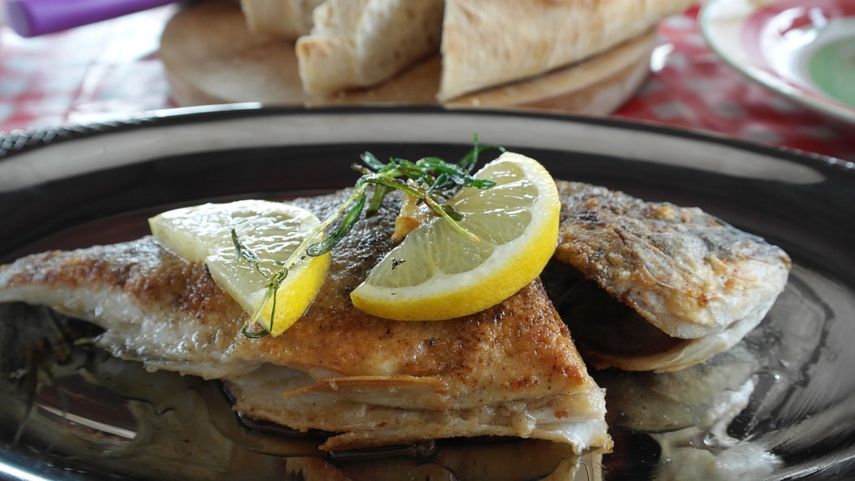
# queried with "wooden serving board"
point(211, 57)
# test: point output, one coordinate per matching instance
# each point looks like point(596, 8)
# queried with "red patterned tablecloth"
point(104, 71)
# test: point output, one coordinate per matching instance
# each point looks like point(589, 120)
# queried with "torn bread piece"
point(285, 19)
point(492, 42)
point(694, 285)
point(511, 370)
point(359, 43)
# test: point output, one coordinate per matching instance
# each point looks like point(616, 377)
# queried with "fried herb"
point(245, 254)
point(334, 237)
point(254, 330)
point(430, 180)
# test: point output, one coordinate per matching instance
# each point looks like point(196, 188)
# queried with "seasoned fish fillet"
point(696, 284)
point(511, 370)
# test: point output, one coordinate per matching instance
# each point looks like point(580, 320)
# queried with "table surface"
point(111, 69)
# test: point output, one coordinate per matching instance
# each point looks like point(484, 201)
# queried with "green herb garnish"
point(430, 180)
point(246, 254)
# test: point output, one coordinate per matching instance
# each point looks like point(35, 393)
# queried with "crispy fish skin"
point(510, 370)
point(156, 307)
point(686, 272)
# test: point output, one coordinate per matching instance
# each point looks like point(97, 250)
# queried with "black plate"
point(778, 406)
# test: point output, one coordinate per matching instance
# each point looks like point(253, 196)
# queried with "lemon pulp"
point(438, 273)
point(272, 231)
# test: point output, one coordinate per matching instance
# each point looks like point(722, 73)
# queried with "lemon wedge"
point(439, 273)
point(272, 231)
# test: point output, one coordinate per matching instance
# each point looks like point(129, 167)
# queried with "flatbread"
point(491, 42)
point(285, 19)
point(359, 43)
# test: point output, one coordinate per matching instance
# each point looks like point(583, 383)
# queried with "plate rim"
point(29, 140)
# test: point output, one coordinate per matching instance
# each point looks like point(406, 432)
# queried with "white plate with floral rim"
point(803, 49)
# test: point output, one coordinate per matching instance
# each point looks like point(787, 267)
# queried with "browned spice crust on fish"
point(476, 375)
point(683, 270)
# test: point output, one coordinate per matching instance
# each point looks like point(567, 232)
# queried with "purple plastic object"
point(37, 17)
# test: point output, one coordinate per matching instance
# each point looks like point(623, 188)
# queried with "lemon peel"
point(272, 232)
point(437, 273)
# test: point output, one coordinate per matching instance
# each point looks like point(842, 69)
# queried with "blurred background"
point(112, 69)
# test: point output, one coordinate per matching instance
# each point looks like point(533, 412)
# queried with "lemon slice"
point(439, 273)
point(270, 230)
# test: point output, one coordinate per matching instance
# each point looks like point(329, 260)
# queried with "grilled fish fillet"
point(697, 284)
point(511, 370)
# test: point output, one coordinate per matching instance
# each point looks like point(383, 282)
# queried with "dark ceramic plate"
point(780, 405)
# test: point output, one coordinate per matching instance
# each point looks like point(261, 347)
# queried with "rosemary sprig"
point(245, 254)
point(347, 223)
point(431, 180)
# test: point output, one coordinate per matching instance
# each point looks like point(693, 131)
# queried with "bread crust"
point(492, 42)
point(359, 43)
point(285, 19)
